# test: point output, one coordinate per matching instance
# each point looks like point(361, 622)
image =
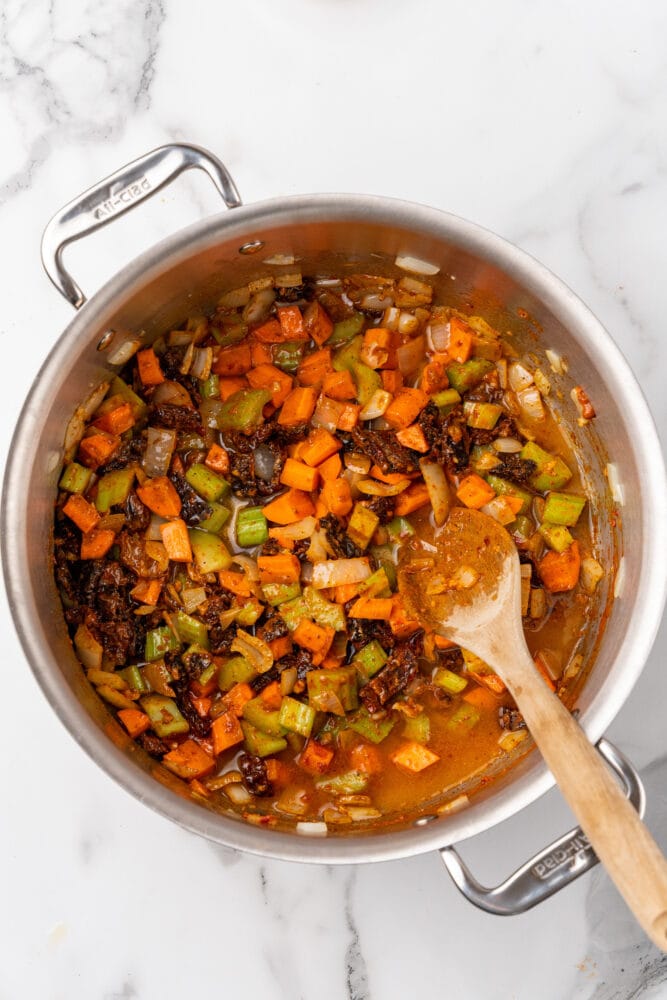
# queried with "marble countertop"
point(543, 122)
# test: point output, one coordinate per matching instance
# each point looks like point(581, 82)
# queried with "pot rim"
point(571, 312)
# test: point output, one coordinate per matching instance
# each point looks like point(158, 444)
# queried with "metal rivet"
point(423, 820)
point(252, 247)
point(105, 340)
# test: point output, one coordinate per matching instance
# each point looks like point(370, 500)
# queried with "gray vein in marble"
point(356, 972)
point(127, 992)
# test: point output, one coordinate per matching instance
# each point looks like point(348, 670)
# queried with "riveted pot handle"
point(554, 867)
point(117, 194)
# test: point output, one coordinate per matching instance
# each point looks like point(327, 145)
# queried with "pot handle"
point(552, 868)
point(118, 193)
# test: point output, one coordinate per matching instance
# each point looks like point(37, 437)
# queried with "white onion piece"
point(407, 323)
point(409, 356)
point(615, 484)
point(153, 533)
point(124, 352)
point(390, 318)
point(160, 444)
point(519, 377)
point(500, 510)
point(202, 359)
point(319, 549)
point(530, 401)
point(234, 299)
point(300, 529)
point(591, 574)
point(179, 338)
point(280, 259)
point(437, 334)
point(376, 405)
point(173, 393)
point(248, 565)
point(264, 461)
point(357, 462)
point(259, 305)
point(254, 649)
point(375, 302)
point(312, 829)
point(417, 266)
point(192, 597)
point(88, 648)
point(507, 446)
point(373, 488)
point(438, 489)
point(556, 362)
point(501, 367)
point(238, 794)
point(327, 413)
point(336, 572)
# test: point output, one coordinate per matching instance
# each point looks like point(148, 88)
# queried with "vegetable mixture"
point(226, 544)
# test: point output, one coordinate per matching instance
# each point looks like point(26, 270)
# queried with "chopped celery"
point(267, 720)
point(362, 525)
point(551, 473)
point(75, 478)
point(158, 677)
point(377, 584)
point(160, 641)
point(218, 519)
point(333, 690)
point(467, 375)
point(278, 593)
point(370, 659)
point(345, 330)
point(134, 678)
point(236, 670)
point(292, 612)
point(482, 415)
point(120, 388)
point(296, 716)
point(242, 411)
point(418, 728)
point(446, 398)
point(464, 718)
point(232, 333)
point(259, 743)
point(556, 536)
point(350, 783)
point(449, 681)
point(210, 552)
point(366, 380)
point(483, 458)
point(207, 674)
point(324, 612)
point(190, 629)
point(400, 527)
point(208, 484)
point(165, 716)
point(248, 613)
point(287, 356)
point(251, 527)
point(210, 387)
point(346, 356)
point(522, 528)
point(374, 730)
point(113, 489)
point(563, 508)
point(505, 488)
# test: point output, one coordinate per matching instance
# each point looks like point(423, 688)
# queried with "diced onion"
point(376, 302)
point(254, 649)
point(500, 510)
point(336, 572)
point(319, 549)
point(264, 461)
point(260, 283)
point(358, 814)
point(179, 338)
point(591, 574)
point(542, 382)
point(234, 299)
point(153, 533)
point(508, 741)
point(501, 366)
point(556, 362)
point(280, 259)
point(173, 393)
point(357, 462)
point(312, 829)
point(202, 359)
point(238, 794)
point(376, 489)
point(124, 352)
point(437, 335)
point(438, 489)
point(407, 323)
point(530, 402)
point(291, 280)
point(409, 356)
point(88, 648)
point(248, 565)
point(259, 305)
point(417, 266)
point(376, 405)
point(507, 446)
point(160, 444)
point(519, 377)
point(221, 780)
point(192, 597)
point(460, 802)
point(390, 318)
point(327, 413)
point(300, 529)
point(615, 485)
point(294, 802)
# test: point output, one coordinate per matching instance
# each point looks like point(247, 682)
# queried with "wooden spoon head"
point(469, 584)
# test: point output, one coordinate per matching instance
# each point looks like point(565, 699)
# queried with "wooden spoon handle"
point(621, 841)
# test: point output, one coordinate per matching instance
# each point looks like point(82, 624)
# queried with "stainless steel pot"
point(187, 272)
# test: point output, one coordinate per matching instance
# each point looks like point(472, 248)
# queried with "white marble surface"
point(544, 122)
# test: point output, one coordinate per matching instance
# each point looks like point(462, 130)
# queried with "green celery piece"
point(479, 457)
point(75, 478)
point(483, 416)
point(251, 527)
point(522, 528)
point(333, 725)
point(113, 489)
point(206, 674)
point(160, 641)
point(418, 728)
point(278, 593)
point(370, 659)
point(466, 375)
point(362, 525)
point(190, 629)
point(449, 681)
point(333, 691)
point(210, 552)
point(344, 358)
point(120, 388)
point(446, 398)
point(210, 387)
point(134, 679)
point(350, 783)
point(366, 380)
point(292, 612)
point(378, 582)
point(345, 330)
point(563, 508)
point(233, 333)
point(248, 613)
point(266, 720)
point(296, 716)
point(505, 488)
point(242, 411)
point(325, 613)
point(259, 743)
point(400, 527)
point(157, 677)
point(189, 441)
point(236, 670)
point(464, 718)
point(287, 356)
point(218, 519)
point(374, 730)
point(206, 483)
point(165, 715)
point(552, 472)
point(556, 536)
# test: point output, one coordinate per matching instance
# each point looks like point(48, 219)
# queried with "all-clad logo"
point(121, 199)
point(575, 849)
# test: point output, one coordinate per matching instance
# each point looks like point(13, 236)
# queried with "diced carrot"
point(413, 757)
point(284, 541)
point(405, 407)
point(374, 608)
point(234, 360)
point(96, 543)
point(277, 382)
point(217, 459)
point(283, 568)
point(147, 591)
point(413, 498)
point(271, 696)
point(559, 571)
point(228, 386)
point(332, 661)
point(391, 478)
point(344, 592)
point(315, 758)
point(277, 772)
point(413, 437)
point(315, 368)
point(364, 757)
point(474, 491)
point(337, 497)
point(289, 507)
point(442, 643)
point(492, 682)
point(269, 333)
point(349, 417)
point(318, 446)
point(291, 323)
point(541, 666)
point(116, 420)
point(97, 449)
point(401, 625)
point(331, 468)
point(460, 341)
point(226, 732)
point(280, 647)
point(160, 496)
point(482, 698)
point(176, 540)
point(299, 406)
point(260, 354)
point(81, 512)
point(203, 690)
point(339, 385)
point(376, 347)
point(135, 722)
point(392, 380)
point(315, 638)
point(299, 475)
point(236, 583)
point(236, 698)
point(317, 324)
point(321, 509)
point(202, 705)
point(433, 377)
point(148, 367)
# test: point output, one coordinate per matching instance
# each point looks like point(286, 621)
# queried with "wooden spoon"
point(468, 589)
